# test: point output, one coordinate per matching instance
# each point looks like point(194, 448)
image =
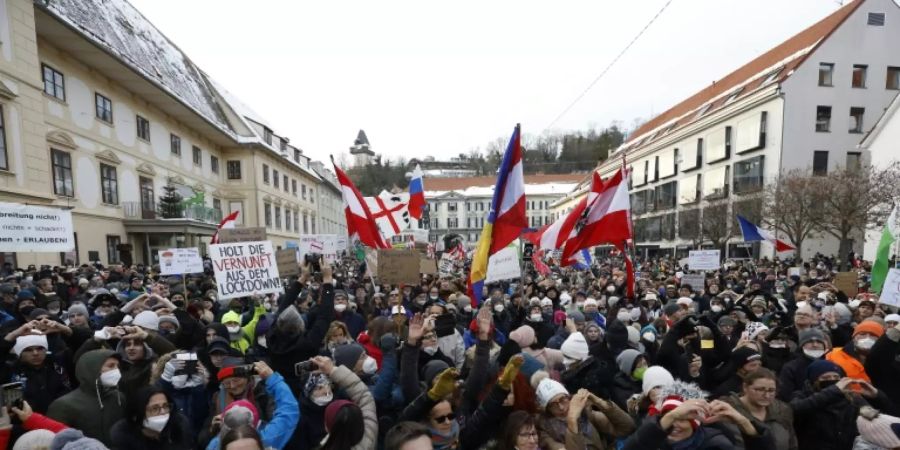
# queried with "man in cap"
point(354, 322)
point(852, 357)
point(43, 379)
point(812, 346)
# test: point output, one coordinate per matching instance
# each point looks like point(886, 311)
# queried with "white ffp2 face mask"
point(156, 423)
point(370, 366)
point(110, 378)
point(323, 400)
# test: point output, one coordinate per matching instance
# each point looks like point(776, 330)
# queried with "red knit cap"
point(331, 412)
point(869, 326)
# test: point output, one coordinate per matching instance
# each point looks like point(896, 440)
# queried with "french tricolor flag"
point(753, 233)
point(416, 194)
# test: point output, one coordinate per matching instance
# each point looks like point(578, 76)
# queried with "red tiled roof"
point(452, 184)
point(807, 38)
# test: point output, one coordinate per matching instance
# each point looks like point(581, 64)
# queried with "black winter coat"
point(826, 419)
point(651, 436)
point(175, 436)
point(623, 388)
point(792, 377)
point(593, 374)
point(883, 367)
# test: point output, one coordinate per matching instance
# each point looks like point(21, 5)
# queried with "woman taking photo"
point(153, 423)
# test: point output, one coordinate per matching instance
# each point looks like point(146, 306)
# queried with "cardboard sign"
point(427, 266)
point(696, 280)
point(890, 293)
point(176, 261)
point(25, 228)
point(847, 282)
point(703, 259)
point(286, 260)
point(446, 265)
point(322, 244)
point(371, 262)
point(398, 266)
point(793, 271)
point(504, 265)
point(245, 268)
point(255, 234)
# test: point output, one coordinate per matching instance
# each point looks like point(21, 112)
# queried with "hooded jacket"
point(248, 332)
point(92, 408)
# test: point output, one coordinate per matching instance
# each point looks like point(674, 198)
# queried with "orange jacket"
point(852, 367)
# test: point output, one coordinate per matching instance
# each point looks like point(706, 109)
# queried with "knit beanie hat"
point(78, 309)
point(29, 340)
point(347, 355)
point(168, 318)
point(892, 318)
point(576, 316)
point(820, 367)
point(147, 320)
point(315, 380)
point(72, 439)
point(626, 360)
point(878, 429)
point(34, 439)
point(574, 348)
point(547, 390)
point(240, 412)
point(331, 412)
point(524, 336)
point(744, 355)
point(634, 336)
point(290, 321)
point(656, 376)
point(869, 326)
point(811, 335)
point(754, 329)
point(432, 369)
point(671, 308)
point(530, 367)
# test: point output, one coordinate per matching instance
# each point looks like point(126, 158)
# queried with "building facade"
point(330, 202)
point(805, 105)
point(102, 115)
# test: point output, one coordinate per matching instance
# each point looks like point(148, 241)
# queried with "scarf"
point(693, 442)
point(447, 441)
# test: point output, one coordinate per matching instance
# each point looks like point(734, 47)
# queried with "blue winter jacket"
point(277, 432)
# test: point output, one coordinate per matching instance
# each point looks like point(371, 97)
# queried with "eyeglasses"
point(528, 434)
point(429, 336)
point(156, 410)
point(442, 419)
point(766, 391)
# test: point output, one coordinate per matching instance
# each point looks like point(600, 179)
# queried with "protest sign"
point(25, 228)
point(847, 282)
point(703, 259)
point(793, 271)
point(371, 262)
point(286, 260)
point(504, 265)
point(245, 268)
point(176, 261)
point(890, 293)
point(255, 234)
point(427, 266)
point(696, 280)
point(446, 266)
point(320, 244)
point(398, 266)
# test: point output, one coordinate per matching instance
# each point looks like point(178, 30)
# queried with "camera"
point(246, 370)
point(305, 366)
point(312, 259)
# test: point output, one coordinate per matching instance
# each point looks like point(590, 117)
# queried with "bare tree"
point(714, 224)
point(794, 206)
point(854, 199)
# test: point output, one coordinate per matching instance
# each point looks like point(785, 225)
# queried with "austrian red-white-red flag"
point(360, 222)
point(226, 223)
point(606, 219)
point(555, 236)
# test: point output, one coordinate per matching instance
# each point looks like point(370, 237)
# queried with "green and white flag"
point(883, 255)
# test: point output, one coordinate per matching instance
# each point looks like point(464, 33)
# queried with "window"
point(198, 155)
point(826, 72)
point(296, 155)
point(705, 109)
point(854, 161)
point(239, 208)
point(62, 173)
point(266, 173)
point(435, 224)
point(267, 135)
point(312, 194)
point(748, 175)
point(451, 207)
point(718, 145)
point(104, 108)
point(284, 183)
point(176, 144)
point(217, 207)
point(453, 222)
point(856, 119)
point(305, 222)
point(823, 119)
point(278, 217)
point(283, 145)
point(112, 249)
point(4, 159)
point(875, 19)
point(109, 184)
point(296, 221)
point(820, 162)
point(294, 187)
point(893, 78)
point(275, 178)
point(715, 183)
point(859, 75)
point(287, 220)
point(734, 95)
point(689, 190)
point(267, 213)
point(234, 170)
point(666, 196)
point(143, 128)
point(773, 75)
point(54, 84)
point(751, 133)
point(303, 191)
point(214, 163)
point(689, 224)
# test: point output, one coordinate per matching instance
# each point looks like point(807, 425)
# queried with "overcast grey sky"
point(442, 78)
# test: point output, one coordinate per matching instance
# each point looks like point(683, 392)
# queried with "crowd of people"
point(766, 354)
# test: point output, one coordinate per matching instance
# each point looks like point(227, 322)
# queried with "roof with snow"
point(126, 34)
point(775, 65)
point(541, 184)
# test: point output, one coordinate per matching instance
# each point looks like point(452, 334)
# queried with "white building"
point(804, 104)
point(330, 202)
point(882, 144)
point(459, 206)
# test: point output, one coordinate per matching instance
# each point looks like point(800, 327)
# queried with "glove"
point(388, 342)
point(443, 385)
point(510, 371)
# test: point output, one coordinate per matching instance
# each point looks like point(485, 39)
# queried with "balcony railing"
point(135, 210)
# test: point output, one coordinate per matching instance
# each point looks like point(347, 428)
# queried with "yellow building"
point(102, 114)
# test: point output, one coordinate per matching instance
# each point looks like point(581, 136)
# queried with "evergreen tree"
point(170, 203)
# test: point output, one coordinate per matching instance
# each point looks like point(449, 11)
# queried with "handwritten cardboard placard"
point(890, 293)
point(398, 266)
point(504, 265)
point(427, 266)
point(245, 268)
point(847, 282)
point(255, 234)
point(286, 260)
point(176, 261)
